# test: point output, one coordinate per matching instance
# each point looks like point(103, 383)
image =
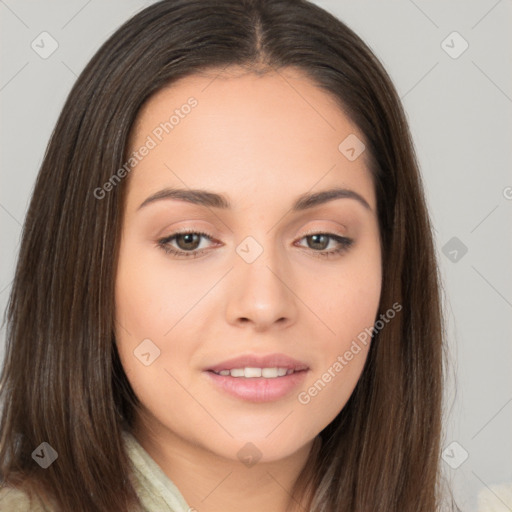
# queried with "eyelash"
point(163, 243)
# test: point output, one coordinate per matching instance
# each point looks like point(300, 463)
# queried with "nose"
point(261, 293)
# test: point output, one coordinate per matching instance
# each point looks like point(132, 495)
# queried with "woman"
point(226, 294)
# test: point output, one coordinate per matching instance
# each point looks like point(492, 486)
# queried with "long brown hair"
point(62, 381)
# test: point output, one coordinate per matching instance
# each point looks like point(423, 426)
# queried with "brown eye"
point(185, 244)
point(318, 243)
point(188, 241)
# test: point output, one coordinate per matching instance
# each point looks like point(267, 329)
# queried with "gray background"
point(459, 111)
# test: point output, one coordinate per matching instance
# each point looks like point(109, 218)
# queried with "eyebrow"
point(213, 200)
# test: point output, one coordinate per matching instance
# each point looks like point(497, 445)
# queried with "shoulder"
point(16, 500)
point(496, 498)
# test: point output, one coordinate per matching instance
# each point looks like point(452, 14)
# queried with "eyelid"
point(317, 231)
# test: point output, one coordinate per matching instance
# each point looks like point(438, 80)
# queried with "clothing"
point(155, 490)
point(496, 498)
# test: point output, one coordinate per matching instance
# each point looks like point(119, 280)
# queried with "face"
point(244, 328)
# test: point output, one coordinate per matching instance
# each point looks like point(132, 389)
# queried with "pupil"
point(316, 240)
point(189, 239)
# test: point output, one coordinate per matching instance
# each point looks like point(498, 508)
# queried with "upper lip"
point(260, 361)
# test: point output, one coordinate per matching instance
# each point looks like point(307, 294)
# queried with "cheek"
point(150, 305)
point(349, 308)
point(152, 296)
point(347, 296)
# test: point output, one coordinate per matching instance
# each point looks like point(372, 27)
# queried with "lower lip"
point(258, 389)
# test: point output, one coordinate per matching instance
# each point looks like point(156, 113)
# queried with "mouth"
point(251, 372)
point(258, 378)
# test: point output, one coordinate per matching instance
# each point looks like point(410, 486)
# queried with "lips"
point(255, 361)
point(255, 378)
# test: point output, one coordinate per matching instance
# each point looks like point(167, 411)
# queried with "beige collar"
point(154, 488)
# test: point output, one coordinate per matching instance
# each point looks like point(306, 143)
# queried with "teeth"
point(270, 373)
point(252, 372)
point(249, 373)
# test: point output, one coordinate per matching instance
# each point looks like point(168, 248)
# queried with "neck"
point(210, 483)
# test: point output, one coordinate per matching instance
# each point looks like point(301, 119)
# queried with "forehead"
point(276, 131)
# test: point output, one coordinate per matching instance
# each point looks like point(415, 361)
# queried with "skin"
point(261, 143)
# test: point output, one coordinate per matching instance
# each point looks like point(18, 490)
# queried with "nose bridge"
point(259, 260)
point(261, 293)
